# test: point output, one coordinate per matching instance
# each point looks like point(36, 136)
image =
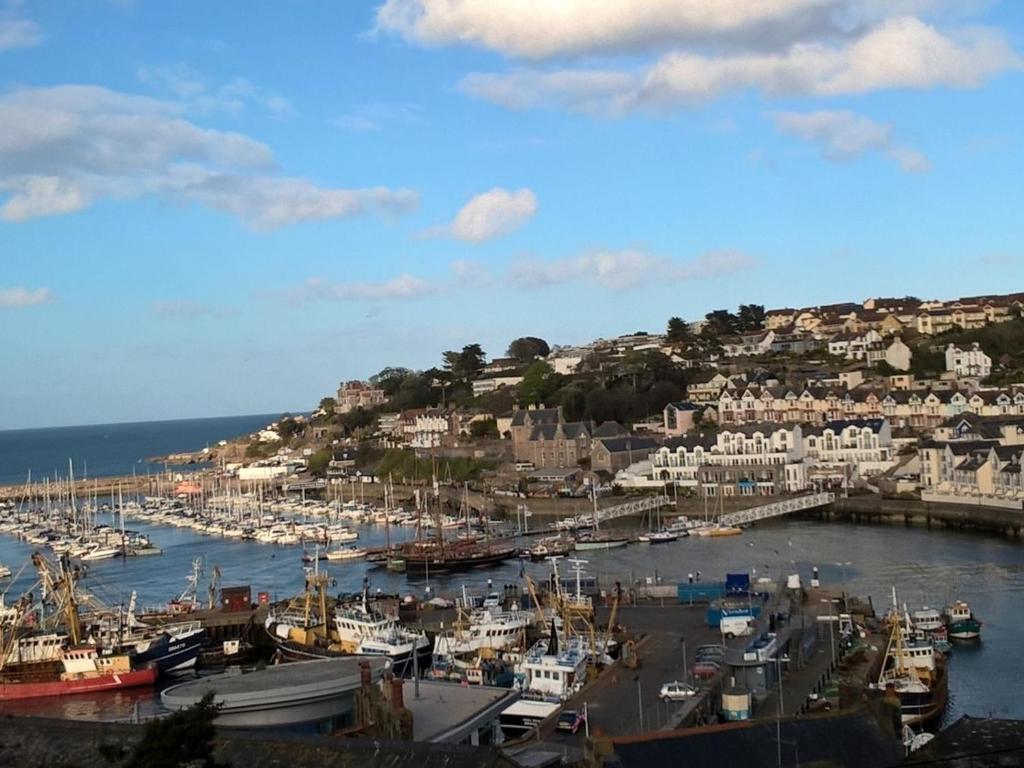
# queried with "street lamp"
point(831, 626)
point(686, 668)
point(639, 702)
point(778, 718)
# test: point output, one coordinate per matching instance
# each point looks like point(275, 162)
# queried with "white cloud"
point(191, 90)
point(843, 136)
point(404, 286)
point(18, 33)
point(20, 297)
point(65, 147)
point(468, 272)
point(375, 116)
point(625, 269)
point(488, 215)
point(531, 29)
point(898, 53)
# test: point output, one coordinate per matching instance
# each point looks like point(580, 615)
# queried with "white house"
point(968, 362)
point(853, 346)
point(863, 444)
point(482, 386)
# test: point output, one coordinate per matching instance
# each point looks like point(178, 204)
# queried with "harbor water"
point(929, 568)
point(105, 450)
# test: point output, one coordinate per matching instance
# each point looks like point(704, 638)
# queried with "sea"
point(105, 450)
point(927, 567)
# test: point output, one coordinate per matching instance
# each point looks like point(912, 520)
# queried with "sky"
point(223, 208)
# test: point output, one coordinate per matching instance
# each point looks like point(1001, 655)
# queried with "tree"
point(720, 322)
point(390, 379)
point(678, 330)
point(751, 317)
point(528, 348)
point(287, 428)
point(182, 738)
point(484, 428)
point(466, 364)
point(327, 405)
point(539, 382)
point(319, 461)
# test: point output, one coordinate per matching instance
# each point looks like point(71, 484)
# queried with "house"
point(968, 362)
point(542, 437)
point(679, 418)
point(500, 365)
point(565, 360)
point(747, 344)
point(895, 353)
point(358, 394)
point(613, 454)
point(486, 384)
point(779, 318)
point(707, 387)
point(434, 428)
point(745, 460)
point(865, 445)
point(853, 345)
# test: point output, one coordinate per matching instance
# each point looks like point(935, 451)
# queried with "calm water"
point(928, 567)
point(102, 450)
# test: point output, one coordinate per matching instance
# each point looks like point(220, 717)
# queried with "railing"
point(637, 507)
point(778, 508)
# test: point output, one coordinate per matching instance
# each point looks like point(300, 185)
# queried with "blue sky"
point(220, 208)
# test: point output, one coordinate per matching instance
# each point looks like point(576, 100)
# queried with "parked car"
point(570, 720)
point(676, 691)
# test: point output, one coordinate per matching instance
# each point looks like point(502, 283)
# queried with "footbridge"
point(777, 509)
point(637, 507)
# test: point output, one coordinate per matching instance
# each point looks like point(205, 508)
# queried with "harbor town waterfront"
point(508, 384)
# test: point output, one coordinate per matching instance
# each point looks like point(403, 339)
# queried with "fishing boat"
point(961, 622)
point(913, 671)
point(714, 531)
point(363, 631)
point(555, 546)
point(928, 620)
point(36, 663)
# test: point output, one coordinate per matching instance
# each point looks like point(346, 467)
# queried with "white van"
point(737, 626)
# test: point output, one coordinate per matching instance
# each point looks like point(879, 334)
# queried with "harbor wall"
point(875, 510)
point(33, 741)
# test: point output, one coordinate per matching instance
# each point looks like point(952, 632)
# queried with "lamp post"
point(639, 702)
point(686, 668)
point(778, 718)
point(831, 627)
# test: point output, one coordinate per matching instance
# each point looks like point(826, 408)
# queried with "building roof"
point(628, 444)
point(610, 429)
point(526, 417)
point(845, 739)
point(684, 405)
point(690, 442)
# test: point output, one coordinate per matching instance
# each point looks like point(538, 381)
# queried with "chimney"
point(364, 674)
point(397, 700)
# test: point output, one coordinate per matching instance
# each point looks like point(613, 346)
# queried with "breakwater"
point(877, 510)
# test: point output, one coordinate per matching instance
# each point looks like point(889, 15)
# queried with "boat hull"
point(10, 691)
point(174, 654)
point(586, 546)
point(403, 664)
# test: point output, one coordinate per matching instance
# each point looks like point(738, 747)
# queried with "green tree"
point(327, 405)
point(528, 348)
point(466, 364)
point(390, 379)
point(184, 738)
point(319, 461)
point(678, 330)
point(720, 322)
point(287, 428)
point(750, 317)
point(539, 382)
point(484, 428)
